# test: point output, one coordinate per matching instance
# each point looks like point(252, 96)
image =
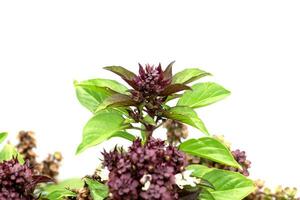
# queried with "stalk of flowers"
point(26, 147)
point(150, 90)
point(144, 172)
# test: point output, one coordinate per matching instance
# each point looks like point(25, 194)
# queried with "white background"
point(251, 47)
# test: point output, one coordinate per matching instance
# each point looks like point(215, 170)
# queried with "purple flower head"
point(17, 181)
point(151, 79)
point(241, 158)
point(154, 160)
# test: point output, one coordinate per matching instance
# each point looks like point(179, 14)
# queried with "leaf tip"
point(107, 67)
point(75, 83)
point(79, 149)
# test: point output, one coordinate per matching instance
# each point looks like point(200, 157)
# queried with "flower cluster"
point(144, 172)
point(175, 131)
point(151, 79)
point(241, 158)
point(17, 181)
point(150, 87)
point(264, 193)
point(50, 165)
point(27, 144)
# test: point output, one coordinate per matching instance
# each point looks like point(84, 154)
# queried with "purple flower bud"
point(151, 79)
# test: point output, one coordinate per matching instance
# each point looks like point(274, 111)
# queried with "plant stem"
point(149, 132)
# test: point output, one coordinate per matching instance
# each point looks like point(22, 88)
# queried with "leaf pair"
point(226, 184)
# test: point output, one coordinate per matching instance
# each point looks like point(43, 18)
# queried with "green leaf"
point(60, 194)
point(3, 136)
point(91, 93)
point(205, 184)
point(228, 185)
point(186, 115)
point(99, 128)
point(203, 94)
point(189, 75)
point(123, 134)
point(116, 100)
point(209, 148)
point(173, 96)
point(9, 152)
point(98, 190)
point(62, 189)
point(206, 194)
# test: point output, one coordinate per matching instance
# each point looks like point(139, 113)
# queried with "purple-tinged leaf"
point(41, 179)
point(125, 74)
point(171, 89)
point(189, 195)
point(168, 71)
point(121, 71)
point(117, 100)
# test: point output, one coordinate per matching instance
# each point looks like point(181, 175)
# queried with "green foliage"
point(9, 152)
point(209, 148)
point(3, 136)
point(101, 127)
point(186, 115)
point(228, 185)
point(124, 135)
point(98, 190)
point(91, 93)
point(115, 109)
point(189, 75)
point(62, 189)
point(203, 94)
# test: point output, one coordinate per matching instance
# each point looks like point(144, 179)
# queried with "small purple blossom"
point(241, 158)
